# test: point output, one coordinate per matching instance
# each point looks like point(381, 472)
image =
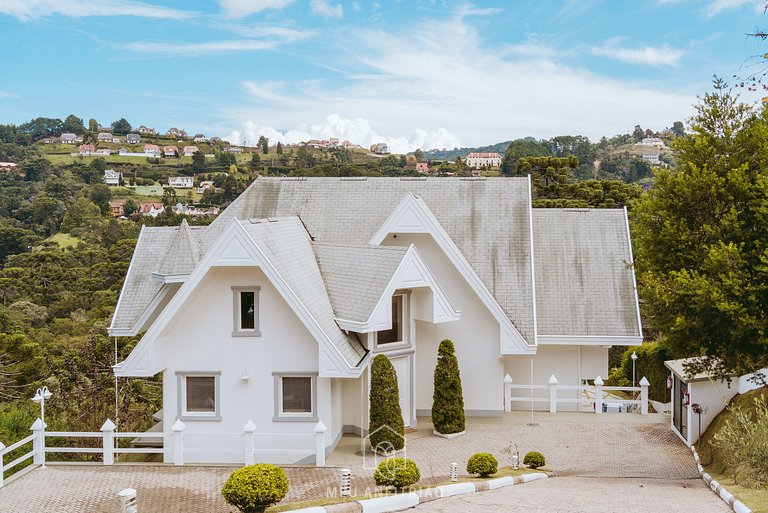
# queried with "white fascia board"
point(125, 283)
point(634, 280)
point(249, 254)
point(533, 263)
point(589, 340)
point(417, 218)
point(411, 273)
point(170, 278)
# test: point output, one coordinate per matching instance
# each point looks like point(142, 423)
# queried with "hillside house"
point(176, 133)
point(422, 167)
point(152, 150)
point(105, 129)
point(151, 208)
point(380, 149)
point(102, 151)
point(190, 150)
point(233, 149)
point(170, 151)
point(480, 160)
point(200, 138)
point(85, 150)
point(104, 137)
point(117, 207)
point(204, 186)
point(181, 182)
point(133, 138)
point(651, 156)
point(112, 177)
point(68, 138)
point(117, 139)
point(143, 130)
point(272, 314)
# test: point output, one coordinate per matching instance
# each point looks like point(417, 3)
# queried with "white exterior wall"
point(199, 338)
point(569, 364)
point(475, 336)
point(713, 396)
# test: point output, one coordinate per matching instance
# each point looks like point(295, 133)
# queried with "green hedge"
point(534, 459)
point(650, 363)
point(253, 488)
point(482, 464)
point(397, 472)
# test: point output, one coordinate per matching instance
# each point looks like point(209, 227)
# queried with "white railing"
point(597, 396)
point(175, 439)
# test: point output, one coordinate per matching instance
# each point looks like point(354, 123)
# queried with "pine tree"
point(447, 400)
point(386, 427)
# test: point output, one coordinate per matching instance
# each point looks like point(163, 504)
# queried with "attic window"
point(246, 311)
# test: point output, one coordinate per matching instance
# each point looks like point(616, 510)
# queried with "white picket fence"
point(596, 395)
point(175, 439)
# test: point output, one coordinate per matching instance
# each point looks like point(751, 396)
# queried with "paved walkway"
point(595, 449)
point(587, 495)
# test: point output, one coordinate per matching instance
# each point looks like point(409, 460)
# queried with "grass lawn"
point(503, 472)
point(755, 498)
point(64, 240)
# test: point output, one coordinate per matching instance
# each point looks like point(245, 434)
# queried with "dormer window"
point(246, 312)
point(396, 334)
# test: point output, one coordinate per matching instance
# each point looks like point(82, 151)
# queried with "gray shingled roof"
point(487, 219)
point(183, 254)
point(287, 246)
point(584, 282)
point(356, 276)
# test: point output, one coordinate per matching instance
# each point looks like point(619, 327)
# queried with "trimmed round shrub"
point(534, 459)
point(482, 464)
point(397, 472)
point(386, 427)
point(447, 400)
point(253, 488)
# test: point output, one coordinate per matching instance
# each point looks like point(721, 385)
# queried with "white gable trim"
point(634, 281)
point(533, 262)
point(589, 340)
point(169, 278)
point(410, 274)
point(111, 330)
point(412, 215)
point(146, 314)
point(233, 248)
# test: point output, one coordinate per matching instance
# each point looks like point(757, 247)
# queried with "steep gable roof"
point(183, 254)
point(584, 277)
point(487, 219)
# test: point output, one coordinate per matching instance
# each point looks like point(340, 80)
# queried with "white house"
point(180, 182)
point(190, 150)
point(68, 138)
point(112, 177)
point(478, 160)
point(273, 313)
point(133, 138)
point(104, 137)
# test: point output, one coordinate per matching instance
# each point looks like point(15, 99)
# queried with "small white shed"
point(710, 394)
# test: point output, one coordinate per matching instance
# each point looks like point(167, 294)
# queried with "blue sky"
point(418, 73)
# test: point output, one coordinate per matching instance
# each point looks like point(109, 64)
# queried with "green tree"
point(130, 207)
point(121, 126)
point(255, 160)
point(638, 133)
point(93, 125)
point(279, 148)
point(198, 161)
point(701, 235)
point(101, 195)
point(263, 143)
point(418, 155)
point(169, 198)
point(447, 399)
point(528, 147)
point(73, 124)
point(678, 129)
point(386, 427)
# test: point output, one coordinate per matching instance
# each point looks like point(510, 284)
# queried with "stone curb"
point(403, 501)
point(727, 497)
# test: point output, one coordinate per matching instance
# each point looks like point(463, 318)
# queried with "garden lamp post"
point(634, 359)
point(41, 395)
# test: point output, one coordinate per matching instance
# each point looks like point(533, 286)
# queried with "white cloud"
point(358, 131)
point(717, 6)
point(458, 88)
point(243, 8)
point(260, 38)
point(650, 55)
point(326, 9)
point(26, 10)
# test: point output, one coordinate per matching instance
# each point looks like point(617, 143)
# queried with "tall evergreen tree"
point(386, 426)
point(701, 238)
point(447, 399)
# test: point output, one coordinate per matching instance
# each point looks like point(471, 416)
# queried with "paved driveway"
point(588, 495)
point(638, 450)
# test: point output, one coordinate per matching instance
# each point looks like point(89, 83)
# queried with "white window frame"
point(406, 325)
point(183, 414)
point(237, 331)
point(280, 415)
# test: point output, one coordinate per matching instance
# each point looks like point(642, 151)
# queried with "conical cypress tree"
point(386, 427)
point(447, 401)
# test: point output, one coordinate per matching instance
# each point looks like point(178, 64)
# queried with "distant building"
point(152, 150)
point(204, 186)
point(651, 141)
point(68, 138)
point(151, 208)
point(117, 207)
point(652, 157)
point(112, 177)
point(478, 160)
point(11, 165)
point(133, 138)
point(104, 137)
point(180, 182)
point(380, 149)
point(105, 129)
point(170, 151)
point(176, 132)
point(102, 151)
point(86, 149)
point(233, 149)
point(117, 139)
point(215, 140)
point(143, 130)
point(422, 167)
point(200, 138)
point(190, 150)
